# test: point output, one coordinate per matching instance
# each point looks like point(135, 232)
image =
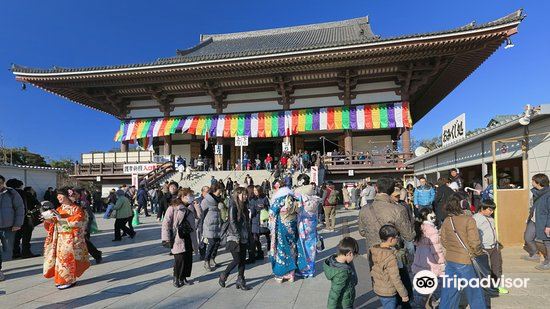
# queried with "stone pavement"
point(137, 273)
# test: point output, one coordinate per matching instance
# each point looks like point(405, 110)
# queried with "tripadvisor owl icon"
point(425, 282)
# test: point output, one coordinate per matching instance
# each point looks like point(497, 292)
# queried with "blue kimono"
point(285, 248)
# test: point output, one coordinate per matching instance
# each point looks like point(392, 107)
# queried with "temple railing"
point(391, 160)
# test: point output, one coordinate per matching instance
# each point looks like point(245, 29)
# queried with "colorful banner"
point(273, 124)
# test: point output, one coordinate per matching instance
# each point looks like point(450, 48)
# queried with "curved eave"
point(509, 28)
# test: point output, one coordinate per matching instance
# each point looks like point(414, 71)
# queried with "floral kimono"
point(307, 231)
point(65, 251)
point(285, 246)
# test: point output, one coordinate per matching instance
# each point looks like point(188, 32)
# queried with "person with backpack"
point(263, 201)
point(236, 234)
point(22, 240)
point(12, 215)
point(178, 234)
point(257, 202)
point(329, 206)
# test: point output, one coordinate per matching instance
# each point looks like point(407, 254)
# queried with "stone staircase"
point(200, 179)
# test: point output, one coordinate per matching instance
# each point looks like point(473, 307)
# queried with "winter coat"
point(255, 206)
point(123, 207)
point(459, 181)
point(385, 273)
point(467, 230)
point(442, 195)
point(142, 197)
point(211, 226)
point(239, 227)
point(367, 195)
point(343, 281)
point(424, 196)
point(429, 251)
point(383, 211)
point(541, 205)
point(12, 209)
point(172, 219)
point(112, 198)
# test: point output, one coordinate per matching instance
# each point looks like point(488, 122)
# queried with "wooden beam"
point(285, 88)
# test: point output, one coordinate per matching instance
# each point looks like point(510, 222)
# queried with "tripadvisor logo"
point(425, 282)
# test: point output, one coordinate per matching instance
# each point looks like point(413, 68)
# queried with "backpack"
point(184, 229)
point(333, 198)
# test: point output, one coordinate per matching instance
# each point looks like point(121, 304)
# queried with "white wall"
point(39, 179)
point(373, 144)
point(182, 150)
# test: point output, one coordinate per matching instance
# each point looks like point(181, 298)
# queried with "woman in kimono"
point(65, 251)
point(307, 225)
point(285, 246)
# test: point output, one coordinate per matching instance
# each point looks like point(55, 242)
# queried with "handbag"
point(480, 264)
point(112, 215)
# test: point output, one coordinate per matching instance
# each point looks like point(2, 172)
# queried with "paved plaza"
point(137, 273)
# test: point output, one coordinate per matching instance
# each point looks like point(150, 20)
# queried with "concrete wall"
point(39, 179)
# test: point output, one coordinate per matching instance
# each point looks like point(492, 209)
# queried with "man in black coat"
point(22, 241)
point(442, 195)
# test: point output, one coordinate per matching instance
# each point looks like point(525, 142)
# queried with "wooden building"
point(337, 67)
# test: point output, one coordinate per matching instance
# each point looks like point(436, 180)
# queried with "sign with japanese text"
point(241, 141)
point(454, 130)
point(143, 168)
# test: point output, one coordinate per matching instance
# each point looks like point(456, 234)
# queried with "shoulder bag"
point(480, 264)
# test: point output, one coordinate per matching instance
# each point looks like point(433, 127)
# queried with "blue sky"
point(86, 33)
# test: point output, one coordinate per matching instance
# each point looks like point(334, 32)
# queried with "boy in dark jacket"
point(340, 271)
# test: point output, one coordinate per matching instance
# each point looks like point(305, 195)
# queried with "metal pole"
point(324, 152)
point(242, 158)
point(495, 182)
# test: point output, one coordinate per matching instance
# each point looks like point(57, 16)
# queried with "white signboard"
point(218, 149)
point(351, 173)
point(314, 175)
point(286, 147)
point(454, 130)
point(135, 180)
point(138, 168)
point(241, 141)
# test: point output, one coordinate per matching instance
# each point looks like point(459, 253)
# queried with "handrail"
point(375, 160)
point(159, 173)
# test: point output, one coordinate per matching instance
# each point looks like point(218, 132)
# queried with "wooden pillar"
point(167, 149)
point(124, 146)
point(406, 142)
point(218, 158)
point(348, 143)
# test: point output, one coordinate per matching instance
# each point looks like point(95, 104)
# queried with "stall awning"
point(273, 124)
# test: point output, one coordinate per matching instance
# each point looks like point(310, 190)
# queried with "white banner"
point(144, 168)
point(286, 147)
point(454, 130)
point(241, 141)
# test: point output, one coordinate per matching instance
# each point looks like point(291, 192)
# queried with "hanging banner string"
point(273, 124)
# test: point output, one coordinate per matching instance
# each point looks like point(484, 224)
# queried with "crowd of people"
point(444, 230)
point(300, 161)
point(438, 228)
